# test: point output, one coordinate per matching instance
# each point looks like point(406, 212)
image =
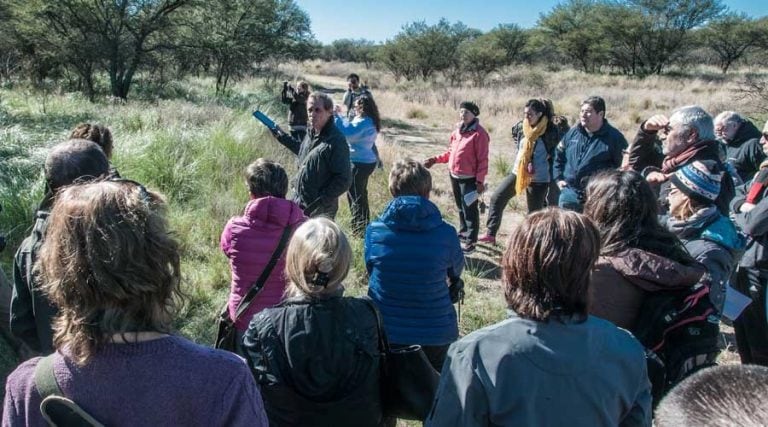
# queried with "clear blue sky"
point(379, 20)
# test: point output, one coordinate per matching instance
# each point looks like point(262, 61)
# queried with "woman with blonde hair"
point(112, 268)
point(316, 356)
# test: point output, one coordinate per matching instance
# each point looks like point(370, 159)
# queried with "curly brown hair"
point(109, 265)
point(547, 264)
point(97, 133)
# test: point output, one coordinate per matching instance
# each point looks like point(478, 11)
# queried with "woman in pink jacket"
point(249, 240)
point(467, 159)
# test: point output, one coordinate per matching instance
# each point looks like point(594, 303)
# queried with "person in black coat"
point(742, 143)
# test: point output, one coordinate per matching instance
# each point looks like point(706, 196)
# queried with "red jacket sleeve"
point(482, 142)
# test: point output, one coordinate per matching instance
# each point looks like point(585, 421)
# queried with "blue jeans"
point(570, 199)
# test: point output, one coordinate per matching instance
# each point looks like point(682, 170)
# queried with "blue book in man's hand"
point(269, 123)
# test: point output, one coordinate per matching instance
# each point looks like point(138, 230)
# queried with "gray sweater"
point(520, 372)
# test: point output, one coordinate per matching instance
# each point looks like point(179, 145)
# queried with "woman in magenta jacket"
point(249, 240)
point(467, 159)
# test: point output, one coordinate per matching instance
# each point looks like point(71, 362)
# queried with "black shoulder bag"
point(56, 409)
point(226, 338)
point(408, 380)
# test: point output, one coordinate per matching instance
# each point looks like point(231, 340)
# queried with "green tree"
point(233, 35)
point(482, 56)
point(570, 29)
point(731, 36)
point(668, 26)
point(513, 40)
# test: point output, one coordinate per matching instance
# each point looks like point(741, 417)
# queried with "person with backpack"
point(414, 262)
point(31, 311)
point(710, 237)
point(249, 242)
point(467, 158)
point(536, 137)
point(550, 363)
point(112, 267)
point(750, 209)
point(638, 255)
point(316, 356)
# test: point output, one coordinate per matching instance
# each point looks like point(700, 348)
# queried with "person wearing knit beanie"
point(699, 180)
point(471, 107)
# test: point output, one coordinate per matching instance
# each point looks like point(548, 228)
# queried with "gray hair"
point(729, 117)
point(694, 117)
point(323, 99)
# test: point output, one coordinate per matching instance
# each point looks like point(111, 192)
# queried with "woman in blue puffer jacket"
point(411, 254)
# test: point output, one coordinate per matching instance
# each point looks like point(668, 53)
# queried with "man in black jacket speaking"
point(323, 159)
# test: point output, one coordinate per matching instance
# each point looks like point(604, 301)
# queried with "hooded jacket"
point(249, 241)
point(410, 252)
point(619, 283)
point(324, 171)
point(712, 239)
point(744, 151)
point(317, 362)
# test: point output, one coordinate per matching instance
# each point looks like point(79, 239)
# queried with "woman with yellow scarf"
point(531, 172)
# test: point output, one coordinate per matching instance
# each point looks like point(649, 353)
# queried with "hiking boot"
point(488, 239)
point(468, 247)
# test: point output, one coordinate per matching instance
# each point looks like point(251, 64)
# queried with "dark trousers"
point(553, 194)
point(751, 328)
point(469, 215)
point(358, 196)
point(535, 195)
point(435, 353)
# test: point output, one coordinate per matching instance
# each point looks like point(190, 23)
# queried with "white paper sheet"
point(470, 197)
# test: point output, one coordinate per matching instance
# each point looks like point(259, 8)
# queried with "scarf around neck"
point(670, 164)
point(531, 135)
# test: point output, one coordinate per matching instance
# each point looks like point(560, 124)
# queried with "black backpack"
point(680, 331)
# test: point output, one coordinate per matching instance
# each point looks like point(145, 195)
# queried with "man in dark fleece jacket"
point(742, 143)
point(323, 158)
point(589, 147)
point(690, 136)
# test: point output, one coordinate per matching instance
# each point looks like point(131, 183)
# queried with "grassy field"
point(193, 146)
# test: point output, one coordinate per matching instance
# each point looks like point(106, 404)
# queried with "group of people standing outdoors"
point(97, 283)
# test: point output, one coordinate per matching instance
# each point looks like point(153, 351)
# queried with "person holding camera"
point(297, 108)
point(411, 255)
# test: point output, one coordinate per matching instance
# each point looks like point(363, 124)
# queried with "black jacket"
point(297, 106)
point(317, 362)
point(31, 312)
point(745, 152)
point(324, 170)
point(755, 224)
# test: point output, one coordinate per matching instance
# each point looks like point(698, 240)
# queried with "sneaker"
point(468, 248)
point(462, 237)
point(487, 239)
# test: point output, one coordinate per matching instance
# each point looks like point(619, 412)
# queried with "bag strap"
point(258, 285)
point(383, 342)
point(45, 378)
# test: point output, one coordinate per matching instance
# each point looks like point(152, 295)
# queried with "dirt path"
point(418, 138)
